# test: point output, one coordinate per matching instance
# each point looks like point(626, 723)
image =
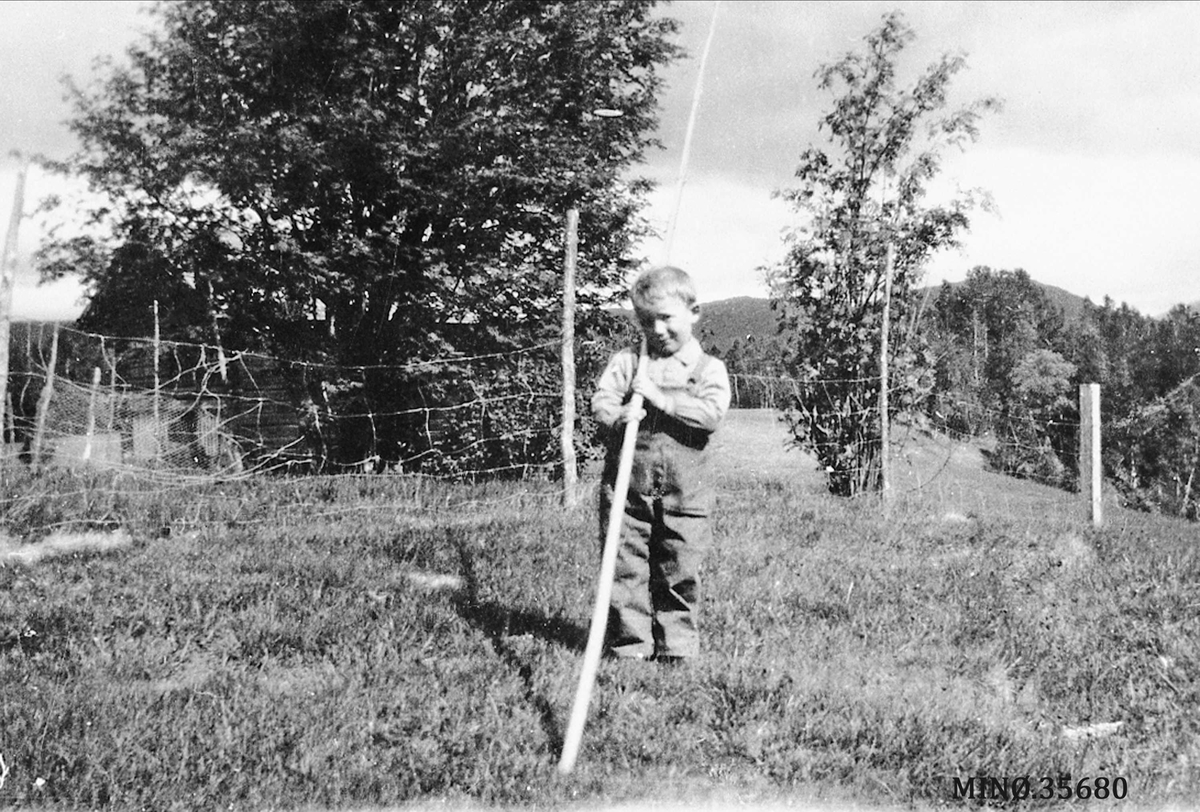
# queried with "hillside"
point(728, 320)
point(1069, 303)
point(723, 322)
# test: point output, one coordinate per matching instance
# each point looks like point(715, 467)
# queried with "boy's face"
point(667, 324)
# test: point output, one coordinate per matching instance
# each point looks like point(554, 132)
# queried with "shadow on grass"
point(500, 622)
point(1036, 466)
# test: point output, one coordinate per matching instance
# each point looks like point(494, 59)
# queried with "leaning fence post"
point(112, 385)
point(8, 261)
point(91, 415)
point(43, 406)
point(1089, 449)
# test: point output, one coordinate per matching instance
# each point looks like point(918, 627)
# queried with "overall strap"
point(695, 375)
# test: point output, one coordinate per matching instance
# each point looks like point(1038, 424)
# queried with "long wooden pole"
point(687, 138)
point(570, 470)
point(608, 565)
point(8, 261)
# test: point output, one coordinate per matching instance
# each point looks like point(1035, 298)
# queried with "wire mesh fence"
point(199, 410)
point(189, 409)
point(175, 415)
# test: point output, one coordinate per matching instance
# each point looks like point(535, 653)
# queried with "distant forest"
point(1004, 356)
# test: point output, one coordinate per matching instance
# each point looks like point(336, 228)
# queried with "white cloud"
point(1093, 162)
point(1090, 224)
point(1094, 225)
point(39, 44)
point(56, 301)
point(725, 230)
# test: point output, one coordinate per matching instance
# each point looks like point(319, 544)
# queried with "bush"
point(1154, 454)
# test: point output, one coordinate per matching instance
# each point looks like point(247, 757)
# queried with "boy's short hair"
point(662, 281)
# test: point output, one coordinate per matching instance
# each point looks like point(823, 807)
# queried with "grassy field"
point(363, 642)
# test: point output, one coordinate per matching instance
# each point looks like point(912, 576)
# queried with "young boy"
point(665, 533)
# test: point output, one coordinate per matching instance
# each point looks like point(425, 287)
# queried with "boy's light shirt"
point(703, 411)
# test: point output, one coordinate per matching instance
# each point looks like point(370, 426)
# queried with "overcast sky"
point(39, 43)
point(1094, 163)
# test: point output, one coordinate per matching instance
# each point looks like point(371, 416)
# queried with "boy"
point(665, 533)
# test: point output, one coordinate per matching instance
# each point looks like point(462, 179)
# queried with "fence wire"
point(174, 417)
point(192, 410)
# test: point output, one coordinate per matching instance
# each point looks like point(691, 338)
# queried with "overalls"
point(664, 537)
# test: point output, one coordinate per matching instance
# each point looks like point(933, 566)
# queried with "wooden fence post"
point(8, 261)
point(10, 424)
point(570, 470)
point(157, 353)
point(885, 426)
point(43, 406)
point(1089, 449)
point(91, 415)
point(112, 385)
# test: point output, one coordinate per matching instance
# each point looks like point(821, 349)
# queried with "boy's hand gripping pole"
point(608, 565)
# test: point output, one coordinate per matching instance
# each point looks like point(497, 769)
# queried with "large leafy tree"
point(980, 331)
point(1153, 454)
point(394, 173)
point(998, 344)
point(866, 189)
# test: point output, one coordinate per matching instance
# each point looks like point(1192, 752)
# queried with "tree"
point(1175, 356)
point(1154, 456)
point(368, 184)
point(980, 332)
point(866, 191)
point(1038, 437)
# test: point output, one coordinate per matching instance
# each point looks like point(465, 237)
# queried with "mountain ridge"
point(740, 317)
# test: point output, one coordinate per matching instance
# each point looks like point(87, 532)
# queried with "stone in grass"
point(434, 581)
point(62, 543)
point(1099, 730)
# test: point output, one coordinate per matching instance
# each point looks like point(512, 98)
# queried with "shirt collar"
point(689, 353)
